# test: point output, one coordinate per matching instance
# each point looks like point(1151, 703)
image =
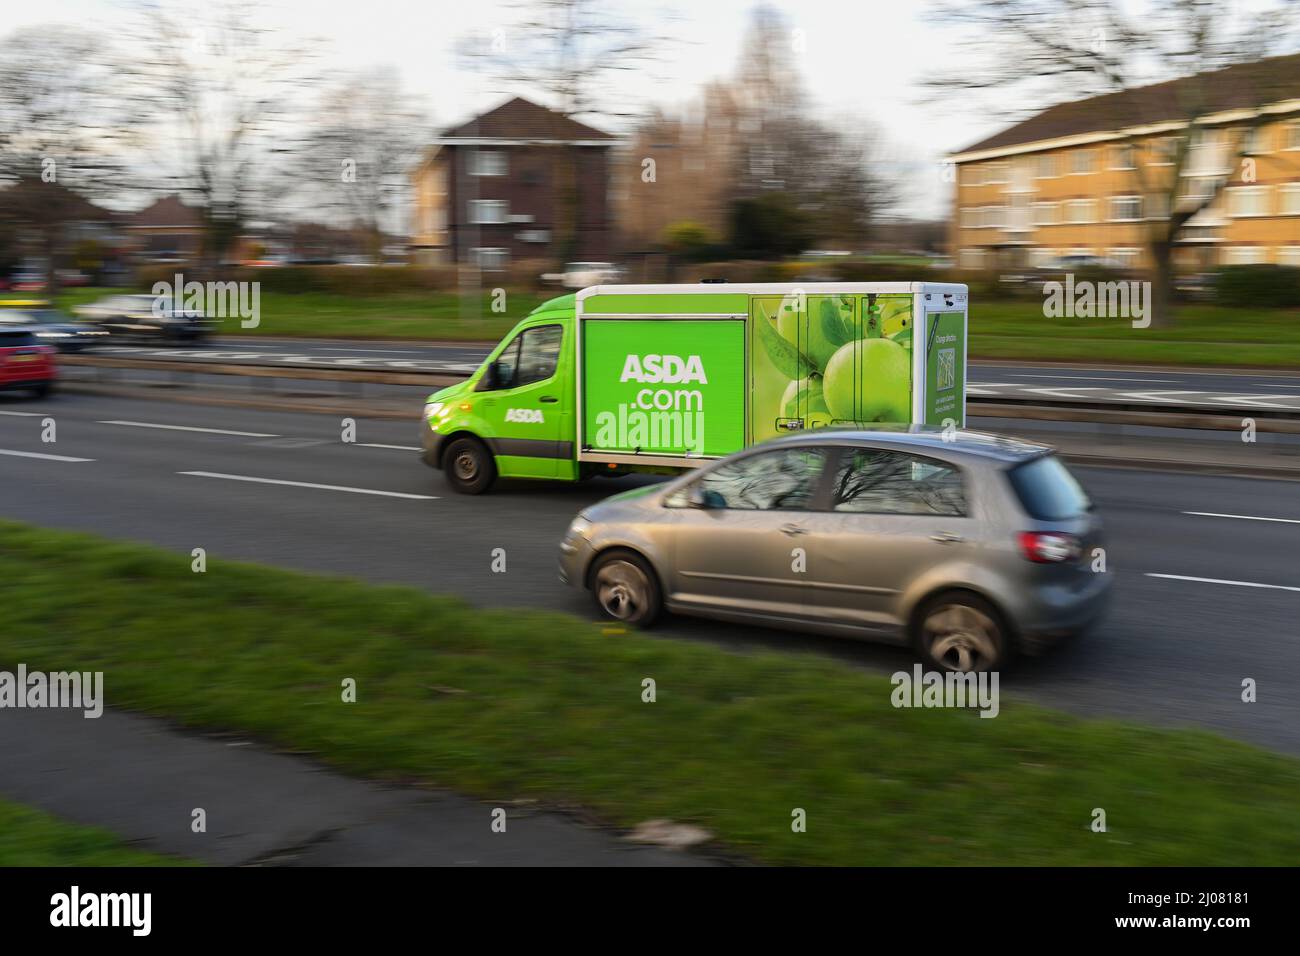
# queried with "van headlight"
point(431, 409)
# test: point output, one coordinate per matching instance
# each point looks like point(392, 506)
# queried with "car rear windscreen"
point(1047, 490)
point(14, 338)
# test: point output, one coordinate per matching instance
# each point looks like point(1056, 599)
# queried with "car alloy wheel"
point(960, 637)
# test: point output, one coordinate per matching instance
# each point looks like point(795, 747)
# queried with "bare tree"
point(1038, 50)
point(357, 151)
point(225, 94)
point(570, 51)
point(63, 131)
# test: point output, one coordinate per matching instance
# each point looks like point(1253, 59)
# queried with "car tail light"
point(1048, 547)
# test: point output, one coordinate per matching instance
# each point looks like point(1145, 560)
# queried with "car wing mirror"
point(698, 497)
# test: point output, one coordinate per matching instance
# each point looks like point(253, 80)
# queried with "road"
point(282, 488)
point(1044, 383)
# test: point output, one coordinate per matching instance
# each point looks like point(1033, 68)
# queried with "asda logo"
point(671, 369)
point(531, 415)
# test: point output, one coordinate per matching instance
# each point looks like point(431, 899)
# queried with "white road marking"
point(366, 444)
point(1240, 584)
point(34, 454)
point(1098, 378)
point(1215, 514)
point(192, 428)
point(23, 414)
point(390, 351)
point(307, 484)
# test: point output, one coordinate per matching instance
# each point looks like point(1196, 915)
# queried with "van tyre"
point(626, 589)
point(960, 631)
point(469, 467)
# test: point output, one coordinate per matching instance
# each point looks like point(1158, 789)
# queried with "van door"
point(525, 407)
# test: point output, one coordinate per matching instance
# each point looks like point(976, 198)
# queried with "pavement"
point(1207, 595)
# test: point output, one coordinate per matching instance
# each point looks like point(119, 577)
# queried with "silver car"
point(969, 546)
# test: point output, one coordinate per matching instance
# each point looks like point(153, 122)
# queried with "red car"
point(25, 363)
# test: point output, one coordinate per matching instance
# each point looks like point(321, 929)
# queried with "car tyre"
point(626, 589)
point(43, 390)
point(469, 467)
point(960, 631)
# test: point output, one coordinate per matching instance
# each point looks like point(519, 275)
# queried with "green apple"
point(804, 399)
point(870, 381)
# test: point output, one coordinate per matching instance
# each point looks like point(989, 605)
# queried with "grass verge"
point(31, 838)
point(510, 705)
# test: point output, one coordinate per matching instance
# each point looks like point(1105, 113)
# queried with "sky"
point(861, 61)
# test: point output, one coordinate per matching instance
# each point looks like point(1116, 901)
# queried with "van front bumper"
point(430, 446)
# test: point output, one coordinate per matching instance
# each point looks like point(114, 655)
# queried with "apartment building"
point(508, 185)
point(1096, 177)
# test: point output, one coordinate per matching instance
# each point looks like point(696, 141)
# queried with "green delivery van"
point(660, 378)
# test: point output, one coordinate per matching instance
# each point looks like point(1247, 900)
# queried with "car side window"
point(875, 481)
point(780, 480)
point(539, 354)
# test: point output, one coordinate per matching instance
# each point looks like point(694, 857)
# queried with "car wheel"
point(43, 390)
point(469, 466)
point(962, 632)
point(626, 589)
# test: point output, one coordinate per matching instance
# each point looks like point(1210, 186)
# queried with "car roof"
point(960, 443)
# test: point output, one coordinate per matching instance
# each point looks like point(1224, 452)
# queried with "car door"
point(524, 406)
point(891, 516)
point(739, 534)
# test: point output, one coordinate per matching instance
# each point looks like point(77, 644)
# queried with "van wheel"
point(626, 589)
point(469, 466)
point(959, 631)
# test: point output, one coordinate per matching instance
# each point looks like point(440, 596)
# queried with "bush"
point(1263, 286)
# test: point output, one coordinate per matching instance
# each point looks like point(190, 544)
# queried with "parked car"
point(51, 326)
point(580, 275)
point(24, 362)
point(971, 549)
point(143, 317)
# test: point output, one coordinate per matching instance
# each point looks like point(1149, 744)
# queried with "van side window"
point(875, 481)
point(539, 354)
point(531, 356)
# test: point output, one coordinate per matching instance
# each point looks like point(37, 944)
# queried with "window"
point(993, 217)
point(1047, 166)
point(874, 481)
point(1121, 157)
point(1291, 135)
point(972, 259)
point(1048, 491)
point(487, 162)
point(1164, 151)
point(1291, 199)
point(1248, 201)
point(1045, 213)
point(969, 217)
point(783, 480)
point(1289, 256)
point(1125, 208)
point(1081, 161)
point(491, 260)
point(1245, 256)
point(1157, 206)
point(995, 174)
point(1254, 141)
point(1081, 210)
point(530, 357)
point(1040, 258)
point(1126, 258)
point(487, 212)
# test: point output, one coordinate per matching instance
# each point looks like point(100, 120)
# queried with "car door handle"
point(946, 537)
point(793, 529)
point(549, 399)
